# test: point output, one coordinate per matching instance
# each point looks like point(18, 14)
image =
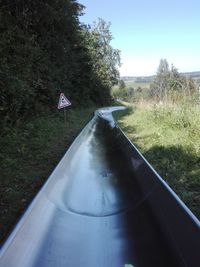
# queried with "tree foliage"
point(104, 60)
point(44, 50)
point(122, 84)
point(168, 80)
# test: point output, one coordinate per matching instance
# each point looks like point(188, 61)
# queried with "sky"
point(147, 30)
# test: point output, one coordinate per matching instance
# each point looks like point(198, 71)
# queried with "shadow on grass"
point(177, 165)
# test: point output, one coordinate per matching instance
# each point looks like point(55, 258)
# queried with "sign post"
point(65, 117)
point(63, 103)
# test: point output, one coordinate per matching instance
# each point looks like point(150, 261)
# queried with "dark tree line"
point(44, 49)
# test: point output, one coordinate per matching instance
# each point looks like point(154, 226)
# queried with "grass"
point(168, 136)
point(28, 156)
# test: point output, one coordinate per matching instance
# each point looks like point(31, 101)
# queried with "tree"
point(160, 82)
point(168, 81)
point(44, 49)
point(104, 58)
point(105, 53)
point(39, 57)
point(122, 84)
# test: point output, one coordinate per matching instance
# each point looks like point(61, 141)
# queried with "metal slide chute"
point(104, 206)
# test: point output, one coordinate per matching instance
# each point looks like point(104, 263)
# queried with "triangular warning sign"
point(63, 101)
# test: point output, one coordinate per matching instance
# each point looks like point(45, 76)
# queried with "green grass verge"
point(28, 156)
point(168, 136)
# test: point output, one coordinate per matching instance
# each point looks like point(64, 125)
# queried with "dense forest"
point(45, 50)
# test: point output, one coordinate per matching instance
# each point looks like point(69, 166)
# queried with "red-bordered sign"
point(63, 101)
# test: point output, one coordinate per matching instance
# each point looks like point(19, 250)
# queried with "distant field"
point(135, 84)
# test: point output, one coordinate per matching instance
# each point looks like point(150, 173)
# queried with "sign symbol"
point(63, 101)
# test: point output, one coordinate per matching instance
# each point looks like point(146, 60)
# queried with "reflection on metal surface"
point(104, 206)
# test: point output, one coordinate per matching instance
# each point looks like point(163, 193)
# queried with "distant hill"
point(193, 74)
point(146, 79)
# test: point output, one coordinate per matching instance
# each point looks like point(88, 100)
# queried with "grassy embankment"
point(169, 137)
point(28, 156)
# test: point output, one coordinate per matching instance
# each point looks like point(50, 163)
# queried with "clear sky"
point(147, 30)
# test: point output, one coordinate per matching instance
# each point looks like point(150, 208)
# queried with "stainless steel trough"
point(104, 206)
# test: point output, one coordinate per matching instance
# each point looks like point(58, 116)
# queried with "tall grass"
point(168, 134)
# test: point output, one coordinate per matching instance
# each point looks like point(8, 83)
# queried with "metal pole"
point(65, 115)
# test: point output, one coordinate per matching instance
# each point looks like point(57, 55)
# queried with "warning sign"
point(63, 101)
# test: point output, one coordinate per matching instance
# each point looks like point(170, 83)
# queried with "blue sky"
point(146, 31)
